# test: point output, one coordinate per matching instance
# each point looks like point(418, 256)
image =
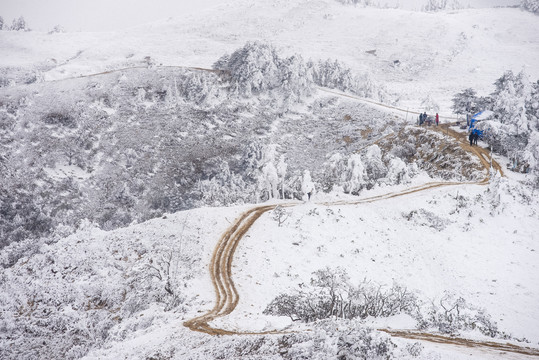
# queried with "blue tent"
point(482, 115)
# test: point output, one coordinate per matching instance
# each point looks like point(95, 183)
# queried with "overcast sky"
point(96, 15)
point(104, 15)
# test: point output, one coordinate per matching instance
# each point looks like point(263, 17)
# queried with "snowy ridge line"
point(377, 103)
point(141, 67)
point(195, 68)
point(417, 335)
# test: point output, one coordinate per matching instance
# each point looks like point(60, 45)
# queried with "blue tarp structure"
point(478, 117)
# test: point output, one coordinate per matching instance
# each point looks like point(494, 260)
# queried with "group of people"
point(473, 137)
point(424, 119)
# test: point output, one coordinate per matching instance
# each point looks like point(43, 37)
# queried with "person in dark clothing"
point(475, 137)
point(471, 138)
point(437, 119)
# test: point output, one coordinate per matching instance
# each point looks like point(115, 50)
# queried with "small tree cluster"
point(18, 24)
point(257, 68)
point(363, 171)
point(514, 130)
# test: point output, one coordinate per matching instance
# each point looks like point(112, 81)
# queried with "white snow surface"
point(440, 53)
point(488, 256)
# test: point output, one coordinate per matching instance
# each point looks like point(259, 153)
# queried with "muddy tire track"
point(442, 339)
point(226, 293)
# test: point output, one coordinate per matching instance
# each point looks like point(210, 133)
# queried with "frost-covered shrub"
point(59, 118)
point(327, 339)
point(453, 314)
point(330, 294)
point(424, 217)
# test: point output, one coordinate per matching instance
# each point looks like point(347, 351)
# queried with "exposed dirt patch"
point(441, 339)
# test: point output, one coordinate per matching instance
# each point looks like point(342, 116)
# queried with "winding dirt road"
point(226, 293)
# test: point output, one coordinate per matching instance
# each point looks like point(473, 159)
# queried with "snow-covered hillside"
point(127, 292)
point(439, 53)
point(256, 170)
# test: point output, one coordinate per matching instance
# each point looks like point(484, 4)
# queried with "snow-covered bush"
point(530, 5)
point(330, 294)
point(327, 339)
point(424, 217)
point(452, 314)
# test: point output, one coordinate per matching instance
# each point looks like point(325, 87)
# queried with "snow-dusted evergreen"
point(514, 129)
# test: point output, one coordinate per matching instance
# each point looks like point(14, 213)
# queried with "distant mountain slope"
point(439, 53)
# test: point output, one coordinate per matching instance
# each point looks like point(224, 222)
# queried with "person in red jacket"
point(437, 119)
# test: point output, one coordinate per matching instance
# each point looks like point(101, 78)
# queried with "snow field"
point(489, 261)
point(440, 53)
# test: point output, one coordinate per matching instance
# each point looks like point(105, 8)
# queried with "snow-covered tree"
point(307, 184)
point(355, 175)
point(1, 23)
point(373, 163)
point(530, 5)
point(334, 75)
point(19, 24)
point(515, 105)
point(465, 102)
point(397, 172)
point(257, 68)
point(254, 68)
point(435, 5)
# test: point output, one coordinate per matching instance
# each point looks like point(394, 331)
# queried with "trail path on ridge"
point(227, 296)
point(220, 267)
